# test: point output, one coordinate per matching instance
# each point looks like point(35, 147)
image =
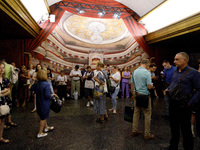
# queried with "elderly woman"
point(100, 102)
point(43, 96)
point(5, 91)
point(115, 82)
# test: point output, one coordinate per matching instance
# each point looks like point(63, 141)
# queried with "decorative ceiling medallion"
point(95, 30)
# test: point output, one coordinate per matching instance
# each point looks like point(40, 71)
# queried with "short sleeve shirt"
point(89, 83)
point(74, 72)
point(142, 78)
point(64, 78)
point(118, 77)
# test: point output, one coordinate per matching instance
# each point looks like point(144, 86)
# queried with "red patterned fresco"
point(93, 13)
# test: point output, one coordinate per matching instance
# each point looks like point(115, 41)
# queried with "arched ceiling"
point(141, 7)
point(76, 38)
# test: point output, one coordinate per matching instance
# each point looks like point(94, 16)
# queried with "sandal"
point(5, 141)
point(6, 127)
point(111, 109)
point(99, 120)
point(12, 124)
point(48, 129)
point(34, 110)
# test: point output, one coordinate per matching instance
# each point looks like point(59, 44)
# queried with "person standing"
point(50, 78)
point(180, 110)
point(75, 83)
point(100, 103)
point(89, 85)
point(42, 90)
point(125, 82)
point(115, 82)
point(62, 85)
point(167, 78)
point(141, 78)
point(34, 79)
point(197, 115)
point(4, 97)
point(8, 72)
point(14, 77)
point(82, 83)
point(24, 76)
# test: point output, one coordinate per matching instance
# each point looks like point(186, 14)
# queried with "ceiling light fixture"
point(116, 15)
point(80, 11)
point(102, 13)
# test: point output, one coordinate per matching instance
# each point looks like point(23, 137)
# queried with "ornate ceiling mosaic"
point(95, 31)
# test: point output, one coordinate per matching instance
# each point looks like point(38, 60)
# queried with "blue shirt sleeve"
point(196, 83)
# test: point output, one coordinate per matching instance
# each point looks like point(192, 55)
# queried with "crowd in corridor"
point(180, 86)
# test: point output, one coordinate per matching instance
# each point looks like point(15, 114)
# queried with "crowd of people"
point(21, 85)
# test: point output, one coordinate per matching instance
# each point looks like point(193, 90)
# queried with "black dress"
point(5, 99)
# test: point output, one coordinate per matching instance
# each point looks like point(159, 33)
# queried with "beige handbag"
point(4, 110)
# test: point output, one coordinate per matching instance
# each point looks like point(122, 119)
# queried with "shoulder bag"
point(56, 104)
point(176, 95)
point(141, 100)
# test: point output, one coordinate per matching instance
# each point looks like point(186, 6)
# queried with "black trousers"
point(180, 119)
point(62, 91)
point(198, 122)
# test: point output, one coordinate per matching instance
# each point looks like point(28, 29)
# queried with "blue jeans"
point(114, 101)
point(166, 99)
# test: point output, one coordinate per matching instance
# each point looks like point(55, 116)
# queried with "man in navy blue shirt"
point(168, 74)
point(180, 113)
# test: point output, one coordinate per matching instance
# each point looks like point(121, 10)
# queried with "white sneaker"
point(91, 103)
point(48, 129)
point(88, 104)
point(41, 135)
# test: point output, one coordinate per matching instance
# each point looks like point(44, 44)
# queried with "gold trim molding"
point(16, 10)
point(184, 26)
point(47, 6)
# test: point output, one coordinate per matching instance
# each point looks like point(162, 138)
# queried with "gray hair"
point(184, 55)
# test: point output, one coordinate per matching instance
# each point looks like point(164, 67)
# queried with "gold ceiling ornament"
point(95, 30)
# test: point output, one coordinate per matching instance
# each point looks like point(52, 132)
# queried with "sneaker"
point(88, 104)
point(48, 129)
point(41, 135)
point(149, 137)
point(91, 103)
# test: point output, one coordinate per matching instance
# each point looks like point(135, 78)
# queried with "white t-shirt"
point(118, 77)
point(32, 72)
point(74, 72)
point(88, 83)
point(62, 80)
